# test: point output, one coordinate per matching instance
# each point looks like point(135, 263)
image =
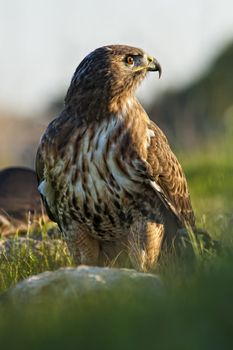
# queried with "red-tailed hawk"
point(106, 173)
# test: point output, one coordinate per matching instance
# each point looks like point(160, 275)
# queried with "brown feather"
point(169, 175)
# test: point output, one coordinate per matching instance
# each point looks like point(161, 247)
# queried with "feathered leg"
point(84, 249)
point(145, 242)
point(114, 254)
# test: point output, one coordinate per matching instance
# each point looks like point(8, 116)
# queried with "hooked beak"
point(154, 66)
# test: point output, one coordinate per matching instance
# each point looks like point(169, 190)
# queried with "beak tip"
point(159, 69)
point(156, 67)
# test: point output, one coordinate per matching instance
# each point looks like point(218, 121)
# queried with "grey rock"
point(67, 283)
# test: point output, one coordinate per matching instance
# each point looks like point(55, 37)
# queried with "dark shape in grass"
point(19, 195)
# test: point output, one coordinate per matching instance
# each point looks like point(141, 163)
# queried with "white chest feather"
point(98, 168)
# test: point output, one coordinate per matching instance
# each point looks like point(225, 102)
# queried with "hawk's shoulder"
point(52, 144)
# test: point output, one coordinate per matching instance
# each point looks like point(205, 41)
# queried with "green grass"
point(195, 311)
point(22, 256)
point(209, 172)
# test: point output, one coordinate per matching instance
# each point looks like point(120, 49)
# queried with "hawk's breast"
point(93, 180)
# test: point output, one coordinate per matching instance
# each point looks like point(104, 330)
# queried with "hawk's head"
point(111, 73)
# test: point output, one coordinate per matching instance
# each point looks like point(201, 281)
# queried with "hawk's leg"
point(114, 254)
point(84, 249)
point(145, 242)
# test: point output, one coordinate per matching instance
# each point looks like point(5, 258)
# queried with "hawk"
point(106, 172)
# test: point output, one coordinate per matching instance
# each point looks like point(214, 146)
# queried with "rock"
point(67, 283)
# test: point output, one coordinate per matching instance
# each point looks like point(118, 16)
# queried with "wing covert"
point(169, 176)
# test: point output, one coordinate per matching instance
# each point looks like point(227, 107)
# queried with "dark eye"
point(130, 60)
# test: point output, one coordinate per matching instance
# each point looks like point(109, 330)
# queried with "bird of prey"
point(106, 172)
